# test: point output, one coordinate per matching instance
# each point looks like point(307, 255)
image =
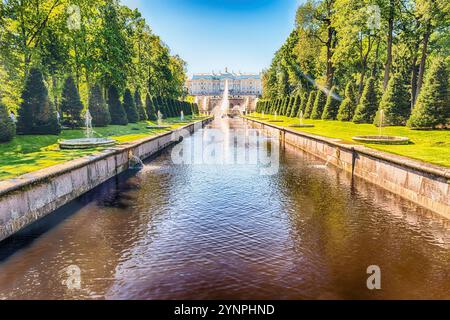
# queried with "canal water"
point(227, 231)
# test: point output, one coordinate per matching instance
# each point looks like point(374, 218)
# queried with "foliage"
point(130, 107)
point(310, 104)
point(347, 108)
point(150, 107)
point(98, 108)
point(140, 106)
point(433, 104)
point(368, 104)
point(71, 105)
point(36, 115)
point(7, 126)
point(332, 106)
point(116, 110)
point(319, 105)
point(395, 102)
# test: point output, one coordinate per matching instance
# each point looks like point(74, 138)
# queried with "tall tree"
point(98, 108)
point(433, 104)
point(116, 110)
point(130, 107)
point(71, 105)
point(37, 115)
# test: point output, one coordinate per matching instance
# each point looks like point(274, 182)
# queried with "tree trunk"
point(426, 40)
point(330, 67)
point(388, 66)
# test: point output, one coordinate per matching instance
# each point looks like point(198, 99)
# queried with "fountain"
point(382, 139)
point(221, 111)
point(159, 123)
point(275, 118)
point(135, 163)
point(301, 124)
point(88, 142)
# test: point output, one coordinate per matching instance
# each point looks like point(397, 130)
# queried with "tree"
point(98, 108)
point(332, 106)
point(296, 106)
point(37, 115)
point(368, 104)
point(130, 107)
point(319, 105)
point(303, 102)
point(71, 105)
point(348, 105)
point(395, 102)
point(310, 104)
point(116, 110)
point(151, 110)
point(7, 125)
point(433, 104)
point(140, 106)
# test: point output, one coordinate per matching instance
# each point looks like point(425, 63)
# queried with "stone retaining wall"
point(424, 184)
point(32, 196)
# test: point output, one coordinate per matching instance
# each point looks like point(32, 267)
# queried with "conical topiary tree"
point(130, 107)
point(116, 110)
point(319, 105)
point(140, 106)
point(36, 114)
point(310, 104)
point(98, 108)
point(290, 105)
point(71, 105)
point(368, 104)
point(348, 105)
point(151, 110)
point(332, 106)
point(395, 103)
point(303, 102)
point(295, 105)
point(7, 125)
point(433, 104)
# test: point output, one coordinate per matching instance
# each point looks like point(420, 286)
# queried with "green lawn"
point(26, 154)
point(430, 146)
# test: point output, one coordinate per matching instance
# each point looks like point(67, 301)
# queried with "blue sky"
point(213, 34)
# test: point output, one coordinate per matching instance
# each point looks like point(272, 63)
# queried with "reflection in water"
point(225, 231)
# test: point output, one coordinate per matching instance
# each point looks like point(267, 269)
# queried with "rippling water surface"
point(227, 232)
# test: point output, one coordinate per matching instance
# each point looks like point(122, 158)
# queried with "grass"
point(25, 154)
point(431, 146)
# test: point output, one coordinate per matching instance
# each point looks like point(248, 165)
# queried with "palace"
point(213, 84)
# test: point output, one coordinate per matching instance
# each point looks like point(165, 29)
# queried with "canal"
point(227, 231)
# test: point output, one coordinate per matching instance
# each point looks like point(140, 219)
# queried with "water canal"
point(198, 231)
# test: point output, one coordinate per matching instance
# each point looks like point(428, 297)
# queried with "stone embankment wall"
point(31, 197)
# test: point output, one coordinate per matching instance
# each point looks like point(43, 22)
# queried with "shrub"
point(348, 105)
point(310, 104)
point(140, 106)
point(303, 102)
point(116, 110)
point(319, 105)
point(130, 107)
point(395, 102)
point(98, 108)
point(332, 106)
point(7, 125)
point(151, 110)
point(36, 114)
point(368, 104)
point(71, 105)
point(433, 105)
